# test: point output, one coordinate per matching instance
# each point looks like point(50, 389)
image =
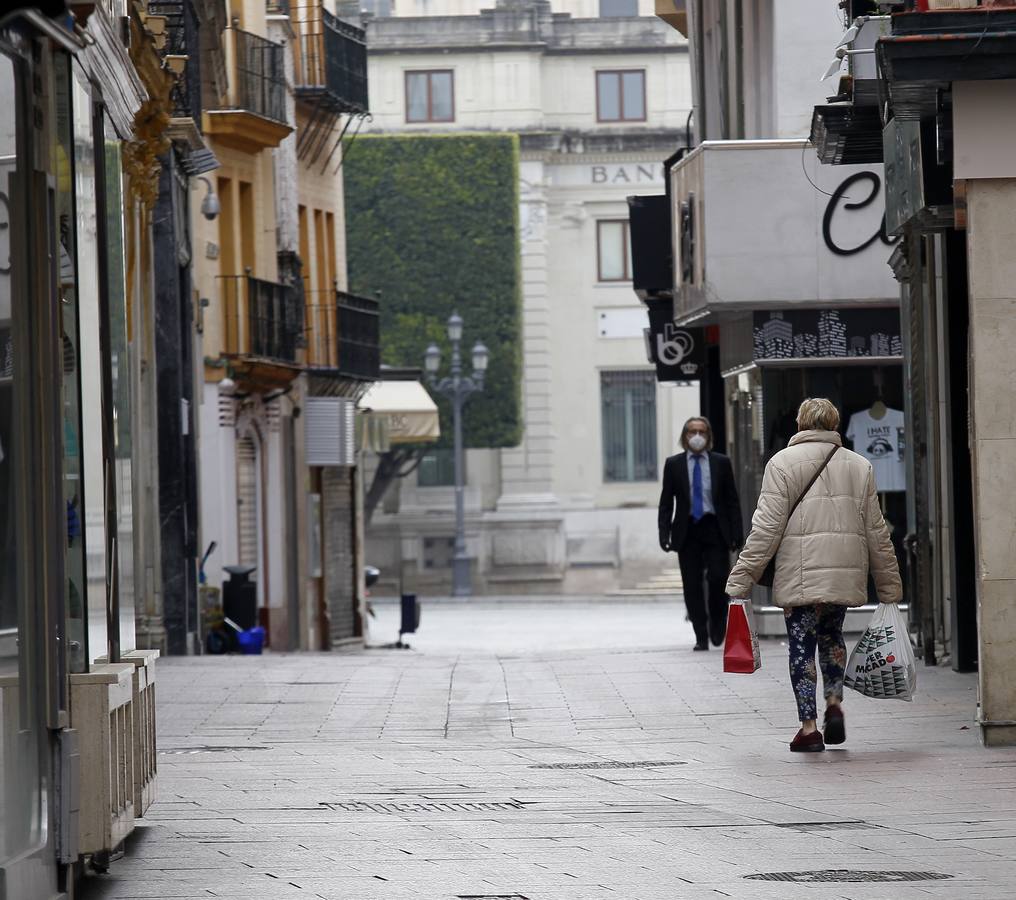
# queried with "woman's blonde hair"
point(818, 414)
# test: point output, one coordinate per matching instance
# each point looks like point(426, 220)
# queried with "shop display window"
point(22, 737)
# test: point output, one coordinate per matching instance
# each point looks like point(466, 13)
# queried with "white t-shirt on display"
point(881, 442)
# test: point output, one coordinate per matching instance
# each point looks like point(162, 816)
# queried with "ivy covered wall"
point(432, 223)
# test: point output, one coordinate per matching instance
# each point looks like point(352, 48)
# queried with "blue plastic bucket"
point(252, 640)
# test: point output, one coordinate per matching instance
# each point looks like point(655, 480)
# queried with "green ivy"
point(432, 223)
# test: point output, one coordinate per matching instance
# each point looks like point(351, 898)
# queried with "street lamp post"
point(458, 388)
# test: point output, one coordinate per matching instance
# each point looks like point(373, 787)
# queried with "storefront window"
point(21, 807)
point(63, 152)
point(870, 401)
point(89, 363)
point(121, 378)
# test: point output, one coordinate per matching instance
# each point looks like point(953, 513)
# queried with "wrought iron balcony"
point(183, 39)
point(261, 318)
point(322, 329)
point(359, 336)
point(260, 76)
point(331, 59)
point(253, 116)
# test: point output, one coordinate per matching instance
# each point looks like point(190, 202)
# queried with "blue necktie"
point(697, 502)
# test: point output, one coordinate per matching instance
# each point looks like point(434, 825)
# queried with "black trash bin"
point(410, 615)
point(240, 597)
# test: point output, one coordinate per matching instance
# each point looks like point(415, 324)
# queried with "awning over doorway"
point(407, 409)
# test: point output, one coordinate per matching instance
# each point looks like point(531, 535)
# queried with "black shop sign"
point(827, 334)
point(679, 354)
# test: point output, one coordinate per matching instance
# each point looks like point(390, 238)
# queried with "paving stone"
point(410, 774)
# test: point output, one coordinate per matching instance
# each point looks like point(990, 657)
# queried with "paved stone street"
point(555, 752)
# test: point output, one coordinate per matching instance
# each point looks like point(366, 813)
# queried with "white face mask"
point(697, 443)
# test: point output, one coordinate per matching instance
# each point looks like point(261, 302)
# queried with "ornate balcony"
point(254, 116)
point(331, 60)
point(343, 334)
point(261, 318)
point(182, 47)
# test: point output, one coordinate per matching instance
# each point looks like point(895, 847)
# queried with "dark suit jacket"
point(676, 493)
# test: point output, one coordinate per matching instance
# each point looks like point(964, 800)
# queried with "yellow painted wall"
point(242, 235)
point(322, 244)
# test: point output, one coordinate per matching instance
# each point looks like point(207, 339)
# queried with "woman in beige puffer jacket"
point(835, 537)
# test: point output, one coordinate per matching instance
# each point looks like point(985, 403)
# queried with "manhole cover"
point(846, 875)
point(187, 751)
point(611, 765)
point(826, 826)
point(421, 807)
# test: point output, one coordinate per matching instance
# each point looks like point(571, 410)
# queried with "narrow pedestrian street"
point(556, 751)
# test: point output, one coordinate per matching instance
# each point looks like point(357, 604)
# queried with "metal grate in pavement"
point(846, 875)
point(808, 827)
point(432, 807)
point(187, 751)
point(653, 764)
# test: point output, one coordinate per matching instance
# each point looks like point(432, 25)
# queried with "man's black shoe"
point(717, 632)
point(701, 645)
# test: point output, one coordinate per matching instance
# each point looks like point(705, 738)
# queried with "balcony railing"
point(260, 76)
point(359, 336)
point(321, 316)
point(262, 318)
point(343, 333)
point(331, 59)
point(183, 38)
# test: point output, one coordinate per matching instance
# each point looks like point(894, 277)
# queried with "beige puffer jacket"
point(823, 554)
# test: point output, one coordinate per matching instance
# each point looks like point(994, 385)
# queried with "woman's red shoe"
point(807, 743)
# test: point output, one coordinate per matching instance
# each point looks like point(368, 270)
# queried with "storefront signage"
point(867, 187)
point(679, 354)
point(827, 334)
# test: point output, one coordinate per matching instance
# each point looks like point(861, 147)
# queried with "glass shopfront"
point(22, 732)
point(86, 181)
point(67, 374)
point(853, 358)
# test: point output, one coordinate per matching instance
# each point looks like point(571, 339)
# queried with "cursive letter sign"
point(840, 195)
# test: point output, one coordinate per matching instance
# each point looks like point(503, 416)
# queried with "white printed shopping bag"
point(882, 664)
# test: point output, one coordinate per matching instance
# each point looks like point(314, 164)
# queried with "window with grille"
point(613, 250)
point(628, 417)
point(437, 468)
point(430, 96)
point(621, 95)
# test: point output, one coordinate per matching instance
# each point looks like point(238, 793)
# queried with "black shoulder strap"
point(811, 483)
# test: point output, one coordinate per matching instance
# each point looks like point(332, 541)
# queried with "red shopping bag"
point(740, 650)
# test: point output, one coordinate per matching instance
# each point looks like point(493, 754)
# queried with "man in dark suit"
point(700, 519)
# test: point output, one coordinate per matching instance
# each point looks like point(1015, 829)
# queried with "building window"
point(437, 468)
point(430, 96)
point(628, 416)
point(610, 9)
point(613, 250)
point(621, 96)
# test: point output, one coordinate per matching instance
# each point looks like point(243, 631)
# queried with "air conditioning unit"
point(330, 437)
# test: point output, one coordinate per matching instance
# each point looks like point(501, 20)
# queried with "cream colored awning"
point(407, 409)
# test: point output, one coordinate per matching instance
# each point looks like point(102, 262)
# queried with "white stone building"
point(599, 95)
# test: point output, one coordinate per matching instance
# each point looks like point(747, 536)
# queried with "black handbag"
point(769, 572)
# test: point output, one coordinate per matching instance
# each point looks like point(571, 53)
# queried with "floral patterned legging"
point(808, 626)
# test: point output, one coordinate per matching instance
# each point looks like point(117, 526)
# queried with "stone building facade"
point(598, 100)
